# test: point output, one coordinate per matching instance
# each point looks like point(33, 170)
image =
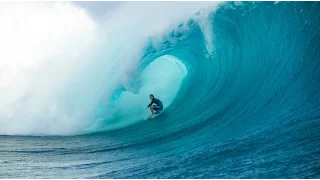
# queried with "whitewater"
point(239, 82)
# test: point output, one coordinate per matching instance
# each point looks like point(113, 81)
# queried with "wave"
point(230, 70)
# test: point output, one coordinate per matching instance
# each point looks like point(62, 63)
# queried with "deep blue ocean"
point(246, 104)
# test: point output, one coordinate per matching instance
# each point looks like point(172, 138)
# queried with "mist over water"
point(59, 66)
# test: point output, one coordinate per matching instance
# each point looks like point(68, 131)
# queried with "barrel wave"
point(239, 82)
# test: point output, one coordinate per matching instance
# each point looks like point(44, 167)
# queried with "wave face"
point(239, 82)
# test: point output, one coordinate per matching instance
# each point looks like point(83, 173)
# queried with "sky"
point(99, 9)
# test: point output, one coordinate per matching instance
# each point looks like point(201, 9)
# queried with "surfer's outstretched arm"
point(148, 105)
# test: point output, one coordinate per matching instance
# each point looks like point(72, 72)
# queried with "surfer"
point(155, 109)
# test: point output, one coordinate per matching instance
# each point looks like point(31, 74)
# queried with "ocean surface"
point(240, 83)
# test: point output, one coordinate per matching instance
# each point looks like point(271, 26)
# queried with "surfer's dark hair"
point(151, 95)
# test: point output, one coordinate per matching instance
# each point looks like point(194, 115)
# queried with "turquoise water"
point(241, 95)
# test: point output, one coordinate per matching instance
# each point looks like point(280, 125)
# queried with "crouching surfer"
point(156, 108)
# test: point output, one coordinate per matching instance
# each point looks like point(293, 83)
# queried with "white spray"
point(57, 64)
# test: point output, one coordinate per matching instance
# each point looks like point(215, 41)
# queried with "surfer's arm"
point(149, 104)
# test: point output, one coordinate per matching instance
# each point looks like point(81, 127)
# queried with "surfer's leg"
point(157, 109)
point(152, 110)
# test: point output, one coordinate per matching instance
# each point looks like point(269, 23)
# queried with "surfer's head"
point(151, 96)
